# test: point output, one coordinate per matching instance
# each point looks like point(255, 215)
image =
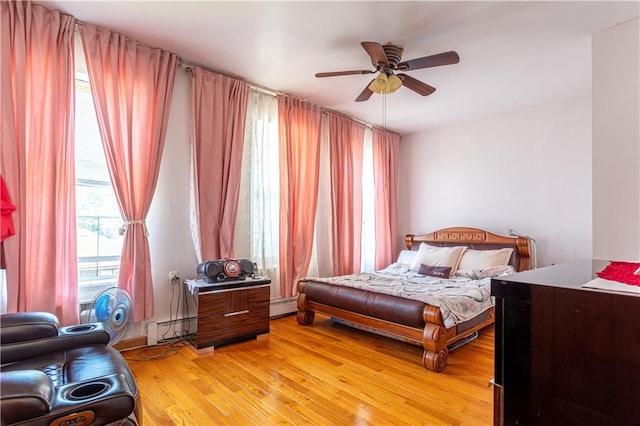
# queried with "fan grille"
point(113, 309)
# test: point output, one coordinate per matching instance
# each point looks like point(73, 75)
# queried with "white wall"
point(168, 219)
point(616, 143)
point(529, 170)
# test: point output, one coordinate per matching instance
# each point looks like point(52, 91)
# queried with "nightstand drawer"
point(233, 326)
point(228, 301)
point(229, 315)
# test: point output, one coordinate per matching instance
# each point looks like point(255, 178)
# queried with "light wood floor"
point(324, 374)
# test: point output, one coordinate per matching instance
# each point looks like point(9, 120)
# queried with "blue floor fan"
point(113, 309)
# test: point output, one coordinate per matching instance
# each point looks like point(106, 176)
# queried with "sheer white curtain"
point(257, 227)
point(257, 223)
point(368, 252)
point(321, 257)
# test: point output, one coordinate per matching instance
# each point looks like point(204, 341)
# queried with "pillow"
point(483, 259)
point(406, 256)
point(495, 271)
point(438, 256)
point(435, 271)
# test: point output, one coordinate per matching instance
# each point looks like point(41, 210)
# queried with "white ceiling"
point(512, 54)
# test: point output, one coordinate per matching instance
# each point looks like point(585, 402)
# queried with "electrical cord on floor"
point(169, 346)
point(161, 351)
point(173, 320)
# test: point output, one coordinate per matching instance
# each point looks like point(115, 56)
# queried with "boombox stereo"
point(214, 271)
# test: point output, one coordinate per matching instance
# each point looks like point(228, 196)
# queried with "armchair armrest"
point(25, 326)
point(66, 338)
point(25, 394)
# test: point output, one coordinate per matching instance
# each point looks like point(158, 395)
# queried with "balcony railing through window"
point(99, 249)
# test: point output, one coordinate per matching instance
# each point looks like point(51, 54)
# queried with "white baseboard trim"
point(167, 330)
point(152, 333)
point(280, 307)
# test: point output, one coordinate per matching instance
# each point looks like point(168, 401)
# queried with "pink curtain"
point(37, 158)
point(385, 171)
point(132, 85)
point(299, 126)
point(346, 139)
point(219, 109)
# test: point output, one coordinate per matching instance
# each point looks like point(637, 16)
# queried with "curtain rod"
point(330, 111)
point(369, 125)
point(188, 67)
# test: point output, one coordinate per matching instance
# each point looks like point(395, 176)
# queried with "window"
point(257, 223)
point(98, 216)
point(368, 245)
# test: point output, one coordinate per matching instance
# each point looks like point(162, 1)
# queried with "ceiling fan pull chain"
point(384, 111)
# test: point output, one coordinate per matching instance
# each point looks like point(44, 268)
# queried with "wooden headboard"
point(476, 239)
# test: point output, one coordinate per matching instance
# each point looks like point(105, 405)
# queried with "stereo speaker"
point(214, 271)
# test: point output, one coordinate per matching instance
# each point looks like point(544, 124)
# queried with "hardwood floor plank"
point(369, 383)
point(323, 374)
point(279, 387)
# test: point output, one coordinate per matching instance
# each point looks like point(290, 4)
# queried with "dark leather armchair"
point(52, 375)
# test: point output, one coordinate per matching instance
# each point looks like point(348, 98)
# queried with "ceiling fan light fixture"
point(384, 83)
point(379, 84)
point(393, 84)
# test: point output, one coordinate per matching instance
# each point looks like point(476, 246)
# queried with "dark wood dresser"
point(565, 354)
point(230, 311)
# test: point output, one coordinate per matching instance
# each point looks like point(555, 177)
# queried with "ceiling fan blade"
point(376, 53)
point(416, 85)
point(446, 58)
point(337, 73)
point(365, 94)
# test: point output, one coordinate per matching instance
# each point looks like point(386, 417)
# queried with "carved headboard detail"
point(476, 239)
point(461, 236)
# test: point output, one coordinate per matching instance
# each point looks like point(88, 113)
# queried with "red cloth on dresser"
point(622, 272)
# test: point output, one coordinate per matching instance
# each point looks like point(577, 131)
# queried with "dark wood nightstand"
point(230, 311)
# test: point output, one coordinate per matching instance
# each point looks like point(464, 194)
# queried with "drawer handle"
point(230, 314)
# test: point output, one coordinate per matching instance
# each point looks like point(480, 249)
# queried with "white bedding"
point(460, 298)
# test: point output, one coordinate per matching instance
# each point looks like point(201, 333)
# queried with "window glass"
point(98, 216)
point(257, 230)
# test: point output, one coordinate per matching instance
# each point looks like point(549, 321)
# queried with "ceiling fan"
point(386, 60)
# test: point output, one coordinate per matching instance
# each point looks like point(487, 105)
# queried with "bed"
point(417, 299)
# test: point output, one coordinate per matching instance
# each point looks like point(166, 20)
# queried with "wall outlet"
point(173, 277)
